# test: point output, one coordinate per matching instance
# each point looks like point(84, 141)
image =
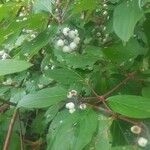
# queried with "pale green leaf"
point(130, 105)
point(82, 5)
point(64, 75)
point(126, 15)
point(10, 66)
point(8, 9)
point(43, 98)
point(102, 139)
point(43, 5)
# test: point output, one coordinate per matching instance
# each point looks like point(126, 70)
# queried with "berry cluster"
point(70, 105)
point(9, 81)
point(141, 140)
point(3, 55)
point(69, 40)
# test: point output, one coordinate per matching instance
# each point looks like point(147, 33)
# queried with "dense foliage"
point(74, 74)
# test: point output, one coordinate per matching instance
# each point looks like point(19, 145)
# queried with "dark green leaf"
point(121, 134)
point(146, 92)
point(10, 66)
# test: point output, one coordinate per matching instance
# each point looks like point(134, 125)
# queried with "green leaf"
point(125, 17)
point(146, 92)
point(3, 90)
point(34, 21)
point(118, 53)
point(102, 140)
point(8, 9)
point(64, 75)
point(86, 60)
point(43, 5)
point(130, 105)
point(146, 26)
point(129, 147)
point(77, 128)
point(14, 141)
point(43, 98)
point(121, 134)
point(51, 113)
point(85, 129)
point(10, 66)
point(82, 5)
point(32, 47)
point(62, 126)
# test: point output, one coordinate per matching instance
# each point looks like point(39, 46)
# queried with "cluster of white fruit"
point(141, 140)
point(31, 34)
point(3, 55)
point(9, 81)
point(71, 106)
point(69, 41)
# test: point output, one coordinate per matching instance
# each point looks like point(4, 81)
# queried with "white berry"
point(46, 68)
point(70, 105)
point(76, 32)
point(66, 49)
point(24, 19)
point(73, 45)
point(73, 92)
point(105, 13)
point(72, 34)
point(72, 110)
point(8, 82)
point(82, 106)
point(69, 95)
point(33, 35)
point(66, 31)
point(77, 40)
point(136, 129)
point(40, 86)
point(104, 5)
point(60, 43)
point(142, 141)
point(4, 56)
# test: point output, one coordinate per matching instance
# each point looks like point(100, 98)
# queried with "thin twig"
point(21, 134)
point(116, 87)
point(130, 75)
point(110, 113)
point(87, 98)
point(9, 131)
point(87, 83)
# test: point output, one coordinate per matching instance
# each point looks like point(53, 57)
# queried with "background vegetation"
point(74, 74)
